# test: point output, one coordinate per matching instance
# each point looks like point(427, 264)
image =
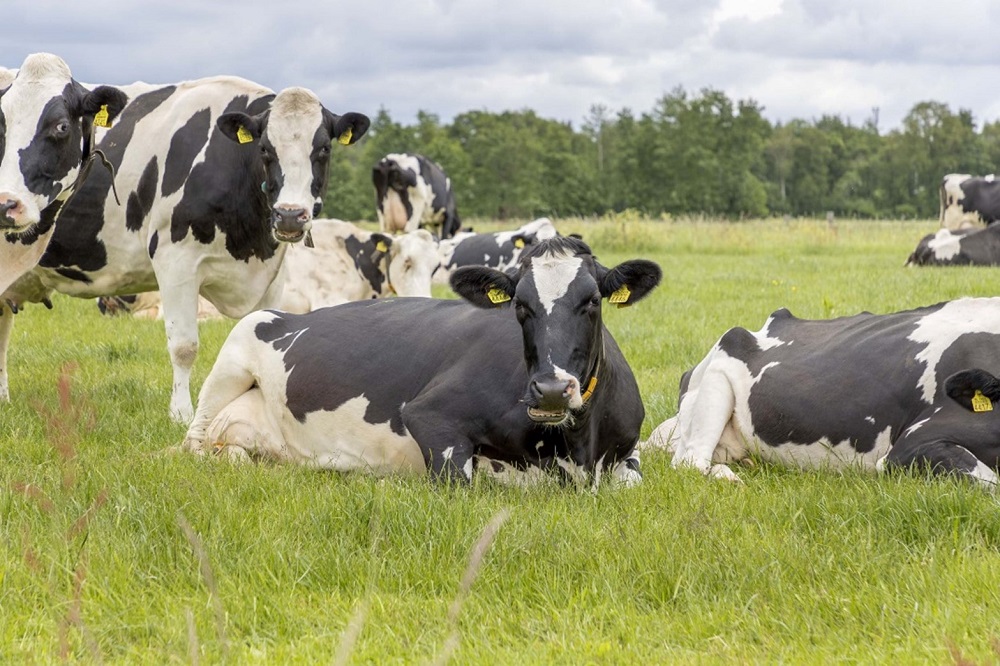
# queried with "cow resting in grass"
point(217, 177)
point(965, 247)
point(914, 388)
point(537, 382)
point(412, 191)
point(345, 264)
point(969, 201)
point(500, 249)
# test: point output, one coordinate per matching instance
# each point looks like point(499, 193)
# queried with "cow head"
point(294, 137)
point(396, 172)
point(970, 388)
point(557, 292)
point(45, 117)
point(412, 259)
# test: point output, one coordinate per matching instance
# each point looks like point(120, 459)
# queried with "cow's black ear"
point(629, 281)
point(521, 240)
point(482, 286)
point(382, 244)
point(242, 128)
point(345, 129)
point(963, 386)
point(103, 103)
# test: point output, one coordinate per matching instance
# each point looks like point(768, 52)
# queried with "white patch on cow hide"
point(983, 473)
point(553, 275)
point(826, 454)
point(945, 245)
point(870, 419)
point(915, 427)
point(939, 330)
point(952, 215)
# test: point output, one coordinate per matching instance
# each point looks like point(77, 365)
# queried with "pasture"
point(114, 551)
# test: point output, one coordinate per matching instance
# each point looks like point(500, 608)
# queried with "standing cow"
point(969, 201)
point(537, 381)
point(877, 391)
point(217, 176)
point(412, 191)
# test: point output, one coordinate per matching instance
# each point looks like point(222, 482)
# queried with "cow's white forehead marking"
point(553, 275)
point(939, 330)
point(296, 114)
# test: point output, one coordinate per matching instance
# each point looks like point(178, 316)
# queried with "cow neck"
point(591, 385)
point(388, 276)
point(89, 155)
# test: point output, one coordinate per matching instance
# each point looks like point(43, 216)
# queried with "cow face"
point(44, 117)
point(396, 176)
point(294, 138)
point(557, 294)
point(413, 258)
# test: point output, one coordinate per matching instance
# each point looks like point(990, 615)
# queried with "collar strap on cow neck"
point(592, 384)
point(388, 278)
point(90, 154)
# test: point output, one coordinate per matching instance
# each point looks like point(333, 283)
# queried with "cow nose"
point(289, 220)
point(551, 394)
point(8, 206)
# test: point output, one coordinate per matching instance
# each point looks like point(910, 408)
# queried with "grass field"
point(114, 552)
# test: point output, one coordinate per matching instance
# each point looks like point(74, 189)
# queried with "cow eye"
point(62, 128)
point(324, 151)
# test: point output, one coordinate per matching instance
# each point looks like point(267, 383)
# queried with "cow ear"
point(345, 129)
point(963, 387)
point(629, 281)
point(482, 286)
point(382, 244)
point(242, 128)
point(520, 240)
point(103, 104)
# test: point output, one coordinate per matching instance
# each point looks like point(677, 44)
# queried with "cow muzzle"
point(290, 224)
point(12, 213)
point(549, 400)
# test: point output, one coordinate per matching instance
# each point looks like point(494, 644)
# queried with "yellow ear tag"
point(621, 295)
point(345, 138)
point(381, 246)
point(980, 403)
point(519, 243)
point(102, 118)
point(243, 136)
point(497, 296)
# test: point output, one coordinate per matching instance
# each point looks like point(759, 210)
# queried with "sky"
point(796, 58)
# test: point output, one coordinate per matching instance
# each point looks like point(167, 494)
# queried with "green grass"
point(792, 567)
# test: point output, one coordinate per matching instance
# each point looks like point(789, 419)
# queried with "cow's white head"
point(45, 123)
point(557, 293)
point(294, 137)
point(411, 261)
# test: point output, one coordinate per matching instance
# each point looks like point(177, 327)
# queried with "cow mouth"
point(289, 236)
point(548, 417)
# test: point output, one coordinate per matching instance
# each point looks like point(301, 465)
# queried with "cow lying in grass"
point(526, 377)
point(914, 388)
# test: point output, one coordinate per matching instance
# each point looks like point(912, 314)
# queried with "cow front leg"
point(939, 457)
point(6, 326)
point(702, 419)
point(180, 316)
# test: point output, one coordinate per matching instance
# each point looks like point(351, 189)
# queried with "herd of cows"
point(210, 192)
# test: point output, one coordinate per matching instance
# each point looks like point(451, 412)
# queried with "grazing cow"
point(876, 391)
point(46, 120)
point(412, 191)
point(346, 264)
point(499, 250)
point(369, 385)
point(969, 201)
point(217, 177)
point(965, 247)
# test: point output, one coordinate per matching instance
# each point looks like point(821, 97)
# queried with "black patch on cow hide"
point(140, 202)
point(185, 145)
point(153, 241)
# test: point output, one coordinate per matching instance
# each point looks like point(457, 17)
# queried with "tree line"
point(691, 154)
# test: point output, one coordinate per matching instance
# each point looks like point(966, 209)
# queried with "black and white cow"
point(499, 250)
point(45, 124)
point(213, 174)
point(537, 381)
point(969, 201)
point(965, 247)
point(875, 391)
point(412, 191)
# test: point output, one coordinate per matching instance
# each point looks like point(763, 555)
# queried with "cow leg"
point(244, 429)
point(447, 452)
point(180, 316)
point(702, 419)
point(228, 381)
point(6, 326)
point(940, 457)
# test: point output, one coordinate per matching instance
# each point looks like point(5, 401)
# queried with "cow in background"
point(412, 191)
point(346, 263)
point(965, 247)
point(969, 201)
point(217, 177)
point(500, 249)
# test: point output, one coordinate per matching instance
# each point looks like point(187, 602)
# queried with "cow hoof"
point(723, 472)
point(234, 454)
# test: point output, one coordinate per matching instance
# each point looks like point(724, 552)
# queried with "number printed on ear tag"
point(102, 118)
point(497, 296)
point(980, 403)
point(243, 136)
point(621, 295)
